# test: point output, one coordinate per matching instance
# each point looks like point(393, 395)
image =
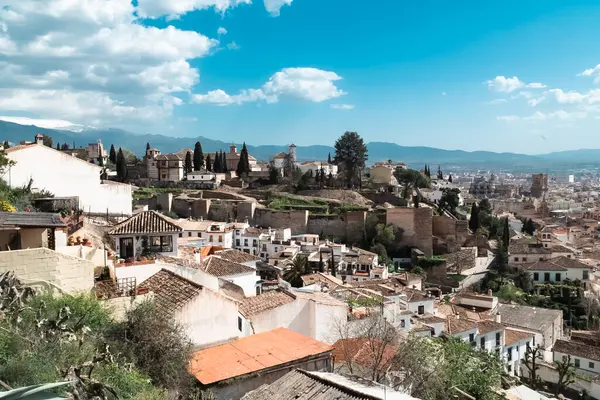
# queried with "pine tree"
point(58, 146)
point(188, 166)
point(450, 178)
point(147, 146)
point(224, 165)
point(329, 158)
point(425, 170)
point(198, 157)
point(6, 144)
point(440, 175)
point(474, 221)
point(121, 165)
point(209, 165)
point(112, 155)
point(217, 162)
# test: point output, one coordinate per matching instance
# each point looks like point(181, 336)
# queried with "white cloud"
point(304, 83)
point(221, 31)
point(508, 85)
point(43, 123)
point(81, 60)
point(560, 115)
point(233, 46)
point(343, 106)
point(573, 97)
point(176, 8)
point(592, 72)
point(535, 102)
point(496, 101)
point(274, 6)
point(526, 95)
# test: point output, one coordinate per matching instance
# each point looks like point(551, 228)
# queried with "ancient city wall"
point(417, 226)
point(296, 220)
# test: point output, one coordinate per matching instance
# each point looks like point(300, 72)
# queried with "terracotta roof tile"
point(363, 351)
point(517, 248)
point(219, 267)
point(236, 256)
point(567, 262)
point(546, 265)
point(253, 353)
point(458, 325)
point(577, 349)
point(145, 222)
point(487, 326)
point(263, 302)
point(512, 336)
point(171, 291)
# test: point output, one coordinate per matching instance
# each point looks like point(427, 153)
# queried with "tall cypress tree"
point(450, 178)
point(333, 266)
point(188, 163)
point(329, 158)
point(58, 146)
point(198, 157)
point(474, 221)
point(209, 166)
point(224, 165)
point(6, 145)
point(147, 146)
point(121, 165)
point(112, 156)
point(217, 163)
point(243, 167)
point(505, 234)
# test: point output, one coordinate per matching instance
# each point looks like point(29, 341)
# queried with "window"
point(199, 234)
point(541, 258)
point(245, 242)
point(509, 354)
point(189, 234)
point(237, 232)
point(536, 276)
point(161, 244)
point(210, 238)
point(516, 259)
point(264, 247)
point(557, 279)
point(421, 310)
point(577, 363)
point(482, 342)
point(498, 336)
point(237, 242)
point(586, 274)
point(402, 323)
point(220, 238)
point(509, 368)
point(546, 276)
point(255, 243)
point(497, 352)
point(181, 235)
point(591, 365)
point(257, 290)
point(240, 324)
point(528, 345)
point(247, 251)
point(524, 259)
point(471, 337)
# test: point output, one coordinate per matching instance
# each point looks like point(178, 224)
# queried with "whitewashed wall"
point(65, 176)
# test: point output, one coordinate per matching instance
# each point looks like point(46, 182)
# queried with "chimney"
point(489, 292)
point(498, 318)
point(39, 139)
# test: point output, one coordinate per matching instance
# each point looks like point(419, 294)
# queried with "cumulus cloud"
point(309, 84)
point(177, 8)
point(573, 97)
point(274, 6)
point(342, 106)
point(508, 85)
point(221, 31)
point(91, 62)
point(595, 71)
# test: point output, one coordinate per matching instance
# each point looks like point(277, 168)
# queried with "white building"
point(315, 168)
point(64, 175)
point(556, 270)
point(585, 356)
point(241, 275)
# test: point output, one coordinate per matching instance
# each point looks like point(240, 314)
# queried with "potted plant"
point(85, 241)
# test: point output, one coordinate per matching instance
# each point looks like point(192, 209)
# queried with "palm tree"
point(298, 268)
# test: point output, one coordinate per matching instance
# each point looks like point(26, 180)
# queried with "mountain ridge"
point(414, 156)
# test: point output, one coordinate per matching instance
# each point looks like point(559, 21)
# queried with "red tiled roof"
point(263, 302)
point(512, 336)
point(364, 351)
point(253, 353)
point(145, 222)
point(219, 267)
point(171, 291)
point(237, 256)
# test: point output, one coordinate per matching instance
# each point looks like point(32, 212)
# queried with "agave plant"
point(34, 392)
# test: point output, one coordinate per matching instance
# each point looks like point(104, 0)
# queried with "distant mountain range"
point(415, 157)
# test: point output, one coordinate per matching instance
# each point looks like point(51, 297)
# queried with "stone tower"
point(539, 185)
point(292, 153)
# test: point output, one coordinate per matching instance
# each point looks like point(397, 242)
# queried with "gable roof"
point(145, 222)
point(219, 267)
point(459, 325)
point(236, 256)
point(567, 262)
point(577, 349)
point(263, 302)
point(30, 219)
point(531, 248)
point(171, 291)
point(253, 353)
point(530, 318)
point(66, 155)
point(512, 336)
point(487, 326)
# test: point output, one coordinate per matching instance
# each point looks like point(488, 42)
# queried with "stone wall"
point(296, 220)
point(222, 210)
point(70, 274)
point(331, 226)
point(452, 231)
point(416, 224)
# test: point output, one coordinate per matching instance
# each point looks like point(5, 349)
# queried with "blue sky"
point(512, 76)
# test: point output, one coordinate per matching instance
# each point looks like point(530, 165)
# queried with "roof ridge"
point(199, 286)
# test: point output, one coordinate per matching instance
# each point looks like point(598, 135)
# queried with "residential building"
point(24, 230)
point(241, 275)
point(383, 175)
point(515, 348)
point(66, 176)
point(545, 324)
point(169, 168)
point(315, 167)
point(145, 233)
point(231, 370)
point(96, 153)
point(584, 349)
point(208, 316)
point(557, 270)
point(304, 385)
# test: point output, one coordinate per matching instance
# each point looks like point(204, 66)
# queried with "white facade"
point(581, 364)
point(67, 176)
point(152, 241)
point(315, 167)
point(248, 282)
point(514, 355)
point(421, 307)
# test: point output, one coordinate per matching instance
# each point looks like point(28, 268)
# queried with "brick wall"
point(71, 274)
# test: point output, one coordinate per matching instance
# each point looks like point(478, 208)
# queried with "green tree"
point(6, 145)
point(450, 178)
point(65, 146)
point(188, 164)
point(440, 175)
point(298, 268)
point(274, 173)
point(112, 155)
point(209, 165)
point(147, 146)
point(485, 206)
point(411, 177)
point(351, 154)
point(58, 146)
point(243, 167)
point(321, 263)
point(449, 200)
point(329, 158)
point(217, 162)
point(198, 157)
point(47, 141)
point(121, 165)
point(333, 264)
point(505, 233)
point(566, 374)
point(474, 220)
point(223, 162)
point(533, 357)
